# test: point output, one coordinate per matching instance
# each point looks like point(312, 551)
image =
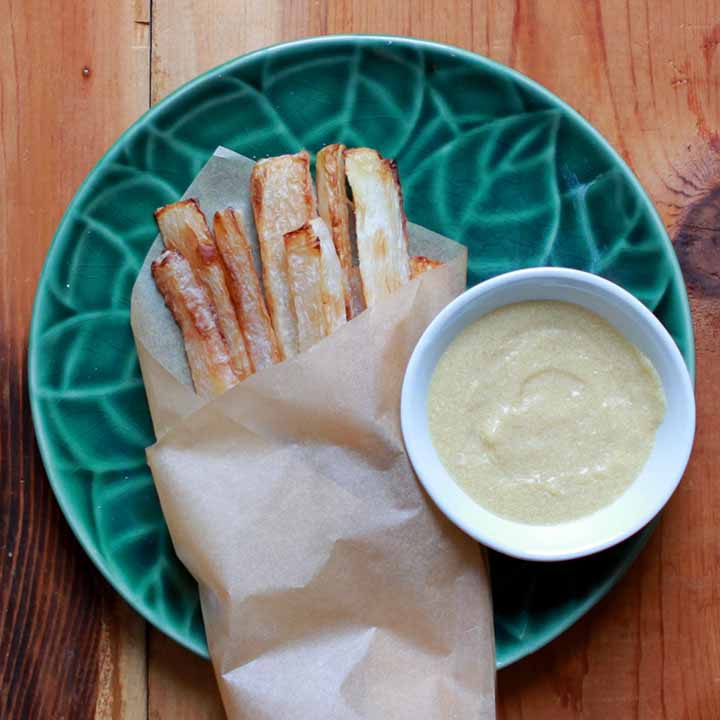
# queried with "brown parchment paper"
point(331, 586)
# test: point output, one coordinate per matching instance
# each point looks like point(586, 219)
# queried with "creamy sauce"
point(543, 412)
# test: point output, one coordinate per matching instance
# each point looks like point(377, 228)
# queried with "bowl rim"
point(414, 443)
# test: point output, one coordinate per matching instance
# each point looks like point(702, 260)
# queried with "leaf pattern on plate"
point(604, 228)
point(484, 156)
point(130, 529)
point(492, 188)
point(368, 96)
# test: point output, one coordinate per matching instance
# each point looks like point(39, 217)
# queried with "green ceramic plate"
point(485, 155)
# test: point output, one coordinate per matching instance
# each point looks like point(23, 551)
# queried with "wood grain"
point(180, 684)
point(55, 121)
point(122, 684)
point(645, 72)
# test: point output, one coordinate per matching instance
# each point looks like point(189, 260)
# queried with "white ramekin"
point(657, 480)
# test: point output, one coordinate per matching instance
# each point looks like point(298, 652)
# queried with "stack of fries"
point(230, 327)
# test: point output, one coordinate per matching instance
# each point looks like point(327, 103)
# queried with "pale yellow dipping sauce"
point(543, 412)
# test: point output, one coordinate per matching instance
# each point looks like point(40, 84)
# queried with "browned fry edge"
point(217, 367)
point(420, 264)
point(331, 159)
point(231, 216)
point(388, 166)
point(392, 165)
point(207, 251)
point(159, 212)
point(162, 260)
point(261, 167)
point(303, 238)
point(206, 258)
point(304, 243)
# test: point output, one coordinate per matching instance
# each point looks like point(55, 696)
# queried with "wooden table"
point(75, 73)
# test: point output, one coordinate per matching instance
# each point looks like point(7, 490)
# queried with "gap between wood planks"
point(122, 684)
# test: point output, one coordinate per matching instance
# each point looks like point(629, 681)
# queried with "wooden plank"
point(213, 32)
point(191, 37)
point(646, 74)
point(122, 666)
point(121, 651)
point(73, 76)
point(181, 685)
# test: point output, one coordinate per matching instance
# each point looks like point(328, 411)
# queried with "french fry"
point(380, 223)
point(305, 281)
point(245, 291)
point(283, 200)
point(190, 304)
point(333, 206)
point(332, 285)
point(356, 291)
point(183, 228)
point(420, 264)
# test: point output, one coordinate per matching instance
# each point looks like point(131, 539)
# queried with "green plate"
point(485, 155)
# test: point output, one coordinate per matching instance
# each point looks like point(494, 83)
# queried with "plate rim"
point(118, 584)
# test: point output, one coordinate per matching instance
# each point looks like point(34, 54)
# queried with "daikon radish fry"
point(332, 286)
point(357, 298)
point(190, 304)
point(184, 229)
point(283, 200)
point(380, 223)
point(305, 281)
point(333, 206)
point(245, 290)
point(420, 264)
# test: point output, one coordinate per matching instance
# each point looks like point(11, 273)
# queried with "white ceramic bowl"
point(660, 475)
